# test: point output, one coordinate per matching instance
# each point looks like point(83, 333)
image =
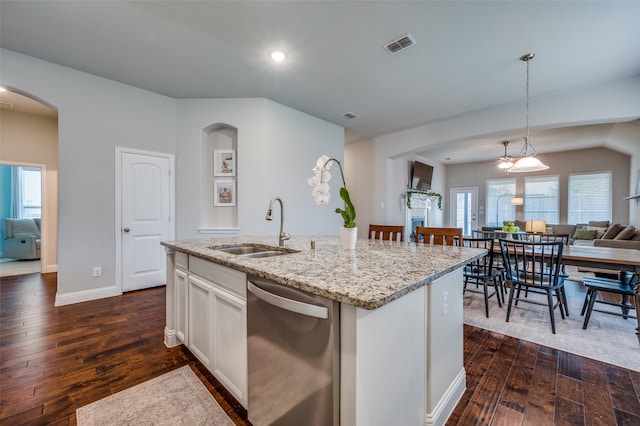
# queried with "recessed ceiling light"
point(2, 89)
point(277, 55)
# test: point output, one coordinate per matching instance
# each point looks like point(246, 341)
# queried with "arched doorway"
point(30, 143)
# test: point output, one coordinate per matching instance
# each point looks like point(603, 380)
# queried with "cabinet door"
point(230, 342)
point(200, 295)
point(181, 287)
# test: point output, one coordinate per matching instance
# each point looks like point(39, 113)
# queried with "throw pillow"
point(636, 236)
point(613, 231)
point(626, 233)
point(599, 230)
point(585, 234)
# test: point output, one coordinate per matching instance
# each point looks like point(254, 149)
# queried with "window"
point(499, 209)
point(589, 197)
point(541, 199)
point(26, 194)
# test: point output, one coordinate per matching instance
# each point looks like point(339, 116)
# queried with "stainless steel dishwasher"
point(293, 359)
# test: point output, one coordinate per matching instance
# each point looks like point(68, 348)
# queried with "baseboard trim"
point(450, 399)
point(170, 338)
point(86, 295)
point(51, 268)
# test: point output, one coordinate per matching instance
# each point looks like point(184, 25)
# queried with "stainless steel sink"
point(266, 253)
point(254, 250)
point(243, 249)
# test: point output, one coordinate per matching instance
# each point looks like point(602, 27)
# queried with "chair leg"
point(564, 301)
point(486, 298)
point(586, 301)
point(497, 290)
point(551, 314)
point(560, 297)
point(511, 291)
point(592, 301)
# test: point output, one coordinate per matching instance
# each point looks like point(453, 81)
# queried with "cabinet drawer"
point(226, 278)
point(182, 260)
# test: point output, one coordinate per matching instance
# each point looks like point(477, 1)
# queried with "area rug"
point(175, 398)
point(608, 338)
point(12, 267)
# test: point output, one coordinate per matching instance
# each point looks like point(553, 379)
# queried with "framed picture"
point(224, 192)
point(224, 162)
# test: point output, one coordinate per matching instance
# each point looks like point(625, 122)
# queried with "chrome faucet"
point(283, 235)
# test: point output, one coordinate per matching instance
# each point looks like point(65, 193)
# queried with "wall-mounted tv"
point(421, 175)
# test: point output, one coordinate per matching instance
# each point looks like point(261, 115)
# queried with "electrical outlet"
point(97, 271)
point(445, 303)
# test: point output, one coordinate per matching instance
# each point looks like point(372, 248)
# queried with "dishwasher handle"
point(302, 308)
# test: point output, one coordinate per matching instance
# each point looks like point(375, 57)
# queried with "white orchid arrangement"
point(320, 192)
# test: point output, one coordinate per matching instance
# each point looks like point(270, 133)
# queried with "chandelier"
point(528, 161)
point(506, 161)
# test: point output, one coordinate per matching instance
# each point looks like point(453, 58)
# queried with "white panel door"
point(145, 219)
point(464, 209)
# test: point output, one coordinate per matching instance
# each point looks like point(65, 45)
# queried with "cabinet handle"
point(290, 305)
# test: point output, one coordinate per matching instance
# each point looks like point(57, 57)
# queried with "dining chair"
point(386, 232)
point(625, 286)
point(439, 236)
point(481, 272)
point(534, 267)
point(552, 238)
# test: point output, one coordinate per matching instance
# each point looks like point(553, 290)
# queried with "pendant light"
point(528, 161)
point(506, 161)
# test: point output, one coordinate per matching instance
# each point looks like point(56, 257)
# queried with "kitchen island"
point(400, 340)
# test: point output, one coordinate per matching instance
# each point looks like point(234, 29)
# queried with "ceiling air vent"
point(350, 115)
point(400, 44)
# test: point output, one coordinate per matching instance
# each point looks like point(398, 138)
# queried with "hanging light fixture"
point(506, 161)
point(528, 161)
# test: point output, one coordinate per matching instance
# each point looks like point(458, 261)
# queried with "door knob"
point(126, 229)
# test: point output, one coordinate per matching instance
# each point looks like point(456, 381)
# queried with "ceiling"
point(466, 58)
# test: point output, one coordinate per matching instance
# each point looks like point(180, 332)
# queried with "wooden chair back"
point(439, 236)
point(386, 232)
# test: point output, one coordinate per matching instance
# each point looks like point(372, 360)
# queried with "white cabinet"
point(229, 363)
point(200, 319)
point(217, 322)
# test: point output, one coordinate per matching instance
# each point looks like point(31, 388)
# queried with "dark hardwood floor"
point(55, 360)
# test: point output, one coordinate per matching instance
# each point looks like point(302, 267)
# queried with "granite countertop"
point(372, 275)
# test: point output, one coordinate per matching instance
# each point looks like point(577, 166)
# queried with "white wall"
point(612, 102)
point(95, 116)
point(277, 148)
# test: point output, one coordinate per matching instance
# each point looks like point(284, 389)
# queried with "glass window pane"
point(31, 192)
point(499, 209)
point(589, 197)
point(541, 199)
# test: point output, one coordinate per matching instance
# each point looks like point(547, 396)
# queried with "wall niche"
point(218, 200)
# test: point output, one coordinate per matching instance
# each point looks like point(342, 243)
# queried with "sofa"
point(600, 234)
point(595, 233)
point(23, 239)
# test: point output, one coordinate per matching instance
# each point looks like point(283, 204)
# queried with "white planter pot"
point(348, 236)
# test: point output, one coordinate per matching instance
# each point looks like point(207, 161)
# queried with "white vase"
point(348, 236)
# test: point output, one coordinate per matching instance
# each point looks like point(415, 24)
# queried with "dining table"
point(609, 258)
